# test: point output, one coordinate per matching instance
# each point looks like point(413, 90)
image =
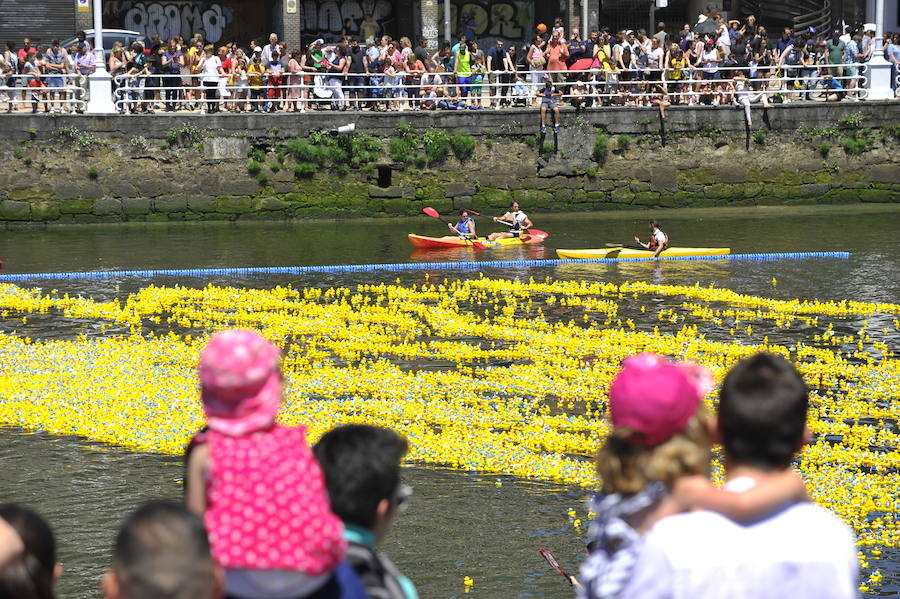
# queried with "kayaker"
point(465, 228)
point(658, 240)
point(515, 219)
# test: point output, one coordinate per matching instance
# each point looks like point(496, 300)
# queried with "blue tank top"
point(463, 226)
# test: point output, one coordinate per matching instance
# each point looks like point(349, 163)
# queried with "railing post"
point(99, 82)
point(879, 69)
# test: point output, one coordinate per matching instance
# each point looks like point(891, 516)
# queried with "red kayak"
point(449, 241)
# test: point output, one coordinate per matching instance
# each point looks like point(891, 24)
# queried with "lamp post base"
point(100, 86)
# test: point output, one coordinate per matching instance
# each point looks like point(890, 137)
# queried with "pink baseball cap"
point(655, 397)
point(240, 382)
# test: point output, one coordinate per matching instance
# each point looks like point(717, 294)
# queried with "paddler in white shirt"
point(658, 240)
point(515, 219)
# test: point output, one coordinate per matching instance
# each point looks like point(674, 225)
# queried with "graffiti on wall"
point(168, 19)
point(325, 18)
point(486, 19)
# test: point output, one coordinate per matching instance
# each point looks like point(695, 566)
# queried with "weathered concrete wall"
point(89, 177)
point(507, 122)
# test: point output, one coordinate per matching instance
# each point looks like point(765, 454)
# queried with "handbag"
point(539, 61)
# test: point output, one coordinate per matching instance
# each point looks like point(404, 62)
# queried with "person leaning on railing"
point(337, 67)
point(508, 75)
point(892, 55)
point(55, 69)
point(536, 61)
point(854, 57)
point(170, 68)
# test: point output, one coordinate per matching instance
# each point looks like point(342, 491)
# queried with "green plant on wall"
point(601, 146)
point(437, 145)
point(186, 136)
point(304, 170)
point(403, 149)
point(463, 145)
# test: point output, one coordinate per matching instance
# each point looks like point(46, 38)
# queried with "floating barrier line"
point(467, 265)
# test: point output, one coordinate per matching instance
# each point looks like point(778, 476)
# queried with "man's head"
point(653, 225)
point(273, 38)
point(162, 552)
point(762, 412)
point(786, 34)
point(362, 472)
point(80, 36)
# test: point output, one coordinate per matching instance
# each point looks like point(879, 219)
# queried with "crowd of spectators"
point(267, 517)
point(713, 63)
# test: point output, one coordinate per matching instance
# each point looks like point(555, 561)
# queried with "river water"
point(459, 524)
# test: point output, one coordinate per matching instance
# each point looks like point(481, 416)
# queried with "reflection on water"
point(459, 524)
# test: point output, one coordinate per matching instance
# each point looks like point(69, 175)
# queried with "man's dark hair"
point(162, 552)
point(762, 411)
point(30, 576)
point(362, 466)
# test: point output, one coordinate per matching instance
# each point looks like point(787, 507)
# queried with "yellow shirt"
point(601, 53)
point(254, 74)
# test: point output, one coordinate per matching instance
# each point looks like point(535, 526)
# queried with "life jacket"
point(655, 244)
point(463, 227)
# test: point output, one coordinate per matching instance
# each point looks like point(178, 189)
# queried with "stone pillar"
point(84, 20)
point(573, 16)
point(290, 18)
point(430, 19)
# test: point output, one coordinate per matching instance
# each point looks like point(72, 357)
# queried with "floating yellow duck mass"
point(483, 374)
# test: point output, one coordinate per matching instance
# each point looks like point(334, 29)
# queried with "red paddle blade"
point(431, 212)
point(538, 233)
point(478, 245)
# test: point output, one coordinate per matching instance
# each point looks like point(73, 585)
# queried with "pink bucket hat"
point(656, 398)
point(240, 382)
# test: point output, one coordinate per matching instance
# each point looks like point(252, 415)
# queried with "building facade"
point(300, 21)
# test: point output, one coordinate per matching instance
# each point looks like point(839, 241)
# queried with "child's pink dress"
point(266, 503)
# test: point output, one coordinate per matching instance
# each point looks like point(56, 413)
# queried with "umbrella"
point(583, 64)
point(707, 26)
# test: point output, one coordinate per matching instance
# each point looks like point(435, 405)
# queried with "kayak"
point(630, 253)
point(420, 241)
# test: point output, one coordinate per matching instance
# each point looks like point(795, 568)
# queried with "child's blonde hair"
point(626, 467)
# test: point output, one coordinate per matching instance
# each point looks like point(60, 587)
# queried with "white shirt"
point(211, 66)
point(660, 237)
point(802, 552)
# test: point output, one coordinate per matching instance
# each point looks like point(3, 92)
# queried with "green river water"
point(459, 524)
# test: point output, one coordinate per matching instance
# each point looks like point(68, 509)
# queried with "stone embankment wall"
point(73, 169)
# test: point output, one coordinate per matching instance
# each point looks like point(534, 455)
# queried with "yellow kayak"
point(630, 253)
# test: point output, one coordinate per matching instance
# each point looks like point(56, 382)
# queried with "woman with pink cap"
point(256, 484)
point(655, 463)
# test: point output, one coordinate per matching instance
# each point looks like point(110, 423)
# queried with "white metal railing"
point(692, 84)
point(401, 90)
point(61, 92)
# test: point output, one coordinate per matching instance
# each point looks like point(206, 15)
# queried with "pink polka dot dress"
point(267, 506)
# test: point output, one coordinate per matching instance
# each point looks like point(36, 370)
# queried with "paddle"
point(434, 214)
point(551, 559)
